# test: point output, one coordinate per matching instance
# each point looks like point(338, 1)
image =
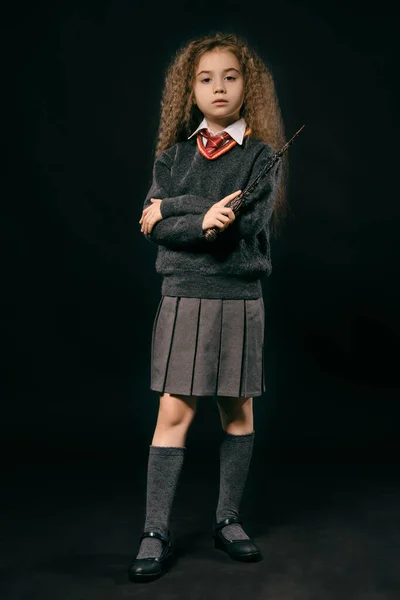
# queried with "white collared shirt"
point(236, 130)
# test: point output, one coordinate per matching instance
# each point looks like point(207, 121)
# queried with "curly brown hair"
point(260, 109)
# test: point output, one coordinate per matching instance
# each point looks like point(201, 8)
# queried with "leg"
point(235, 456)
point(166, 457)
point(175, 415)
point(236, 415)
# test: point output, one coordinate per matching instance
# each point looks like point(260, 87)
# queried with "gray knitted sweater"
point(189, 184)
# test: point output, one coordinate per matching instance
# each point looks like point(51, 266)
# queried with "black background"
point(79, 288)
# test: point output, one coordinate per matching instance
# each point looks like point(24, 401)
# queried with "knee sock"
point(235, 457)
point(164, 467)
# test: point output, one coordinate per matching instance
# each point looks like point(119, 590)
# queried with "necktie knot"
point(214, 142)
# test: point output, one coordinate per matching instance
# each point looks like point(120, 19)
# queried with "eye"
point(205, 79)
point(231, 77)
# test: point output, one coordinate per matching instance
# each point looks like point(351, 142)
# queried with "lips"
point(220, 100)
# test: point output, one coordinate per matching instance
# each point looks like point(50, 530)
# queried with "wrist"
point(166, 208)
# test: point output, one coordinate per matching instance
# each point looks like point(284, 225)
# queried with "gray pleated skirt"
point(208, 347)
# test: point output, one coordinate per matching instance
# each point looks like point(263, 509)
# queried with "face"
point(219, 77)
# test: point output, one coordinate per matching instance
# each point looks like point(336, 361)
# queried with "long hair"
point(260, 109)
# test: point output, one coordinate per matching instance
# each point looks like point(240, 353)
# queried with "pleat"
point(263, 386)
point(208, 348)
point(155, 325)
point(252, 348)
point(231, 349)
point(163, 330)
point(183, 348)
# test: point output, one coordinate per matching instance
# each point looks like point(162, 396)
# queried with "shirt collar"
point(236, 130)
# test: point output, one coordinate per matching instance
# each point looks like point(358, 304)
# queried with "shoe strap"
point(227, 521)
point(155, 534)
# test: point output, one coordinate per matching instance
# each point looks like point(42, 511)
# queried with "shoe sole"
point(145, 577)
point(250, 557)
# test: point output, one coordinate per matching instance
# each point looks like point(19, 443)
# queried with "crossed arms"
point(182, 216)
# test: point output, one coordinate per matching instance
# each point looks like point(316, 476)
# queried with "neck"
point(215, 125)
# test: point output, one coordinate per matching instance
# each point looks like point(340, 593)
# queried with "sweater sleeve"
point(184, 232)
point(160, 188)
point(258, 207)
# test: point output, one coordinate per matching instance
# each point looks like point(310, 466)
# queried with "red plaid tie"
point(214, 142)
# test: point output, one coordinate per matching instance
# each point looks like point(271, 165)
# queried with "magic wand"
point(235, 204)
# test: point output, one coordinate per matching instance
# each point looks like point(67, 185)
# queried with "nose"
point(219, 87)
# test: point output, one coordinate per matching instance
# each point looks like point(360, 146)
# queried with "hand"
point(220, 215)
point(151, 215)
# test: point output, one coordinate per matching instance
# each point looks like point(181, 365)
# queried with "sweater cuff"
point(167, 208)
point(196, 228)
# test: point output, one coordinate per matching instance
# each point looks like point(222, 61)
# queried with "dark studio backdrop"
point(79, 287)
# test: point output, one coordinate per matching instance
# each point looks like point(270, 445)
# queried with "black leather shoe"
point(148, 569)
point(244, 550)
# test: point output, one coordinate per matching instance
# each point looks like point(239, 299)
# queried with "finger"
point(223, 220)
point(234, 194)
point(230, 197)
point(146, 217)
point(227, 212)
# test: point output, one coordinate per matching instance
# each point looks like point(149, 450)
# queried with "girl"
point(220, 123)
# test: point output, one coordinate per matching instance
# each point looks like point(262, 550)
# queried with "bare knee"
point(236, 414)
point(175, 415)
point(176, 410)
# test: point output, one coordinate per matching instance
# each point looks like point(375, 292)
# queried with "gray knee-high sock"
point(163, 470)
point(235, 457)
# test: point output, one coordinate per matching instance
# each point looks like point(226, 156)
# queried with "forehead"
point(217, 59)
